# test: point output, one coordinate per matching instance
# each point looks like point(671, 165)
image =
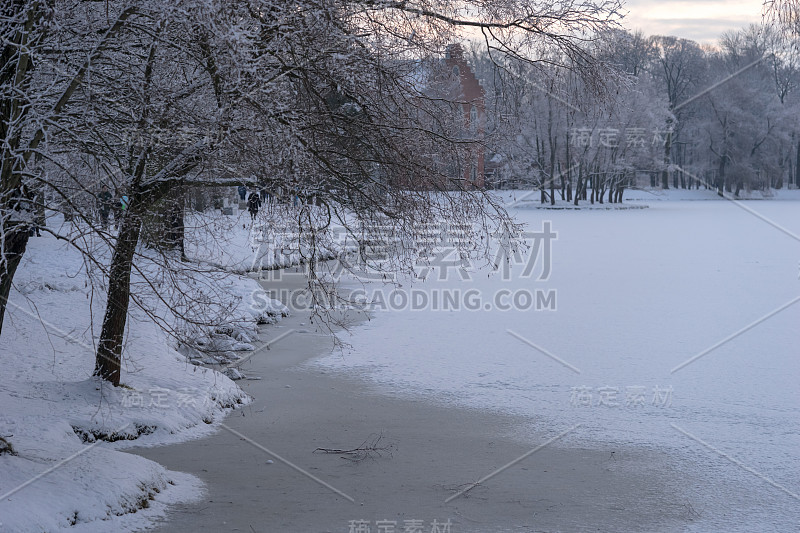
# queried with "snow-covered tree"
point(332, 102)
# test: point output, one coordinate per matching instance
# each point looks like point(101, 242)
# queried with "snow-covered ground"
point(654, 341)
point(238, 243)
point(60, 475)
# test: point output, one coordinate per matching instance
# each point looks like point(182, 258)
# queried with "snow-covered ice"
point(638, 293)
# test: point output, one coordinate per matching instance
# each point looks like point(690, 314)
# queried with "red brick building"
point(471, 101)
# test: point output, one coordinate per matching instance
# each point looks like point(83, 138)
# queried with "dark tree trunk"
point(601, 187)
point(175, 221)
point(15, 242)
point(569, 171)
point(109, 351)
point(667, 161)
point(40, 216)
point(797, 166)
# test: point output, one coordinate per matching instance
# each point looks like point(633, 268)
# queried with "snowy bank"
point(66, 468)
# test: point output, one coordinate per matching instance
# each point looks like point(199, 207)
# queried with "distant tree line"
point(672, 114)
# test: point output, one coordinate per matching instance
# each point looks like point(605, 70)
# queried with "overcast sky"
point(702, 21)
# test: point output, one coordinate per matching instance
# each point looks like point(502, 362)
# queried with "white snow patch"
point(61, 476)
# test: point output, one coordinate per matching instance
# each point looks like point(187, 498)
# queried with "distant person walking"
point(254, 204)
point(104, 205)
point(242, 192)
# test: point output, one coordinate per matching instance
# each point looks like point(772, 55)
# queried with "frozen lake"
point(639, 295)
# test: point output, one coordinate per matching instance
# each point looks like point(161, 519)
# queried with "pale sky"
point(701, 21)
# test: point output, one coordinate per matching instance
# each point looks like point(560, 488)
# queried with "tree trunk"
point(601, 187)
point(109, 351)
point(15, 239)
point(797, 166)
point(175, 221)
point(569, 171)
point(40, 216)
point(667, 157)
